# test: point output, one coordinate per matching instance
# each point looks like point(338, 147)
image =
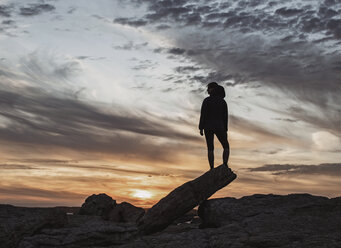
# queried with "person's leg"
point(222, 137)
point(210, 147)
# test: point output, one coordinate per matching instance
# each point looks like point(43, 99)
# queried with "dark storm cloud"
point(330, 169)
point(130, 22)
point(8, 22)
point(176, 51)
point(186, 69)
point(268, 17)
point(35, 9)
point(288, 12)
point(163, 27)
point(318, 18)
point(5, 10)
point(214, 77)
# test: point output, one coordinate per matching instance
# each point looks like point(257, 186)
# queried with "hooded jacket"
point(214, 113)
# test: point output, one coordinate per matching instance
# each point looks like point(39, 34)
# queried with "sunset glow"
point(142, 194)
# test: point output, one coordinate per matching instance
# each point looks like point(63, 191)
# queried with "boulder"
point(184, 198)
point(277, 219)
point(126, 212)
point(99, 205)
point(19, 222)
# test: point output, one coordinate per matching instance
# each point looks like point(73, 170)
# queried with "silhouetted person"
point(214, 120)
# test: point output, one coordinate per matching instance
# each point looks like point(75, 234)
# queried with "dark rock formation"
point(99, 205)
point(250, 222)
point(126, 212)
point(265, 211)
point(184, 198)
point(82, 231)
point(18, 222)
point(298, 220)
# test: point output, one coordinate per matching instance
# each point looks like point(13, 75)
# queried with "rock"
point(126, 212)
point(187, 217)
point(99, 205)
point(218, 212)
point(298, 220)
point(82, 231)
point(257, 221)
point(278, 221)
point(19, 222)
point(184, 198)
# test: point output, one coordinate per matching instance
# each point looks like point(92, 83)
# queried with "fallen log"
point(184, 198)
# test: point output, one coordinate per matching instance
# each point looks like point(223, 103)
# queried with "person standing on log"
point(214, 120)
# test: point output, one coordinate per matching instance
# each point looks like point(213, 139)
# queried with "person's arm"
point(203, 114)
point(226, 113)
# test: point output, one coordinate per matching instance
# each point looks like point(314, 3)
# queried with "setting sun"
point(142, 194)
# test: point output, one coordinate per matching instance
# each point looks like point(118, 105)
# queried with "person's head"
point(219, 91)
point(211, 86)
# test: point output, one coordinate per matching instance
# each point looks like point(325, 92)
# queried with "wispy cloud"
point(330, 169)
point(42, 110)
point(38, 192)
point(35, 9)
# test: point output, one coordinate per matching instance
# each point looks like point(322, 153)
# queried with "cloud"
point(5, 10)
point(36, 9)
point(36, 109)
point(269, 16)
point(15, 167)
point(38, 192)
point(145, 64)
point(8, 22)
point(176, 51)
point(329, 169)
point(288, 12)
point(319, 116)
point(186, 69)
point(71, 10)
point(130, 22)
point(243, 126)
point(131, 46)
point(248, 46)
point(43, 70)
point(326, 141)
point(285, 119)
point(38, 118)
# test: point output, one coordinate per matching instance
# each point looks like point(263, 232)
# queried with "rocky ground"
point(297, 220)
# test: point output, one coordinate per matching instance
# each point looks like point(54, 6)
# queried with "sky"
point(105, 96)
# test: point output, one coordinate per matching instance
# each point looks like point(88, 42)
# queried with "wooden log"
point(184, 198)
